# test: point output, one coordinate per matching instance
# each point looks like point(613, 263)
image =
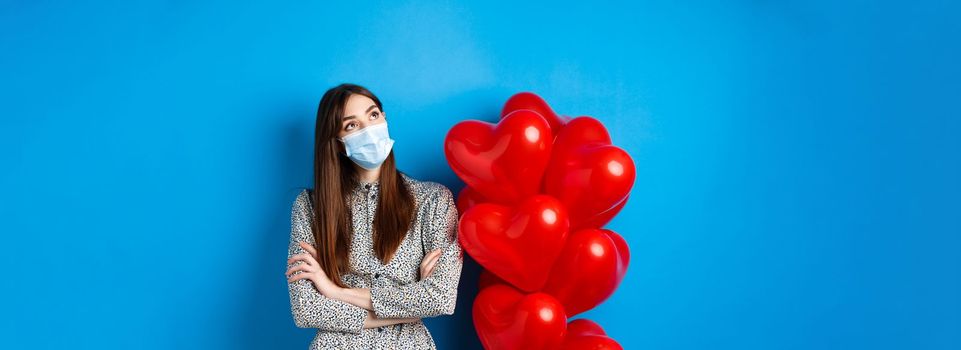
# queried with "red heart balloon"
point(531, 101)
point(505, 318)
point(604, 217)
point(589, 269)
point(583, 326)
point(504, 162)
point(520, 243)
point(584, 334)
point(467, 198)
point(487, 279)
point(586, 173)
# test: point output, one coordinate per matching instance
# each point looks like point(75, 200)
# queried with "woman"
point(387, 255)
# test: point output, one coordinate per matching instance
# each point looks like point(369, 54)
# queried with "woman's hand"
point(310, 269)
point(427, 265)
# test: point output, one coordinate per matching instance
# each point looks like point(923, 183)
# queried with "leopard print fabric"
point(395, 288)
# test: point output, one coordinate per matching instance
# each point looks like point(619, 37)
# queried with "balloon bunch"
point(540, 187)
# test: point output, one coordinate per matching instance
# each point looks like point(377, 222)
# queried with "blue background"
point(798, 161)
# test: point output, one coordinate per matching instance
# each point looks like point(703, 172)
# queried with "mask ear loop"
point(344, 153)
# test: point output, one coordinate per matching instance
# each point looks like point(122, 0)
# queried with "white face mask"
point(368, 147)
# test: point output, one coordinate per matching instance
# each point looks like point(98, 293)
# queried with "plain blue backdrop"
point(797, 161)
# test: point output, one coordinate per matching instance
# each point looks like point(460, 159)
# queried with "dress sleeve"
point(437, 294)
point(311, 309)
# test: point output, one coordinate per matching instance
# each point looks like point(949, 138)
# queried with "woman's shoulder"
point(303, 195)
point(425, 188)
point(302, 199)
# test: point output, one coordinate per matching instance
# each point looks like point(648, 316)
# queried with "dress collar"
point(363, 186)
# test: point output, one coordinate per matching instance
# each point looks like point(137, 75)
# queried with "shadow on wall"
point(263, 320)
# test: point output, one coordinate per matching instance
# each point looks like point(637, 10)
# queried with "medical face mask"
point(368, 147)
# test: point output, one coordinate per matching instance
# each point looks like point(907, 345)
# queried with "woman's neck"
point(364, 175)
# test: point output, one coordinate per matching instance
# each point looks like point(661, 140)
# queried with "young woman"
point(372, 251)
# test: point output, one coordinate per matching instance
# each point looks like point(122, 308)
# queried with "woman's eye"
point(375, 114)
point(349, 126)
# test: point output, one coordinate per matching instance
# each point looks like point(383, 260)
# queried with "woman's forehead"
point(358, 105)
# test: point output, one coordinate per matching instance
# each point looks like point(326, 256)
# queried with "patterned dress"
point(395, 288)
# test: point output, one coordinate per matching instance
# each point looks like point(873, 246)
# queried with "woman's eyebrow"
point(368, 111)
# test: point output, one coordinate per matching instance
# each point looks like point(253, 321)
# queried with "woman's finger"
point(423, 268)
point(430, 269)
point(298, 276)
point(309, 248)
point(432, 255)
point(436, 256)
point(430, 259)
point(298, 267)
point(433, 262)
point(307, 258)
point(295, 257)
point(426, 259)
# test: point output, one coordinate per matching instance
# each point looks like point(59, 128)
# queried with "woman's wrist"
point(372, 321)
point(329, 289)
point(338, 293)
point(359, 297)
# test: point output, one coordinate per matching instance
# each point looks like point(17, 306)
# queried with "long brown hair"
point(335, 175)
